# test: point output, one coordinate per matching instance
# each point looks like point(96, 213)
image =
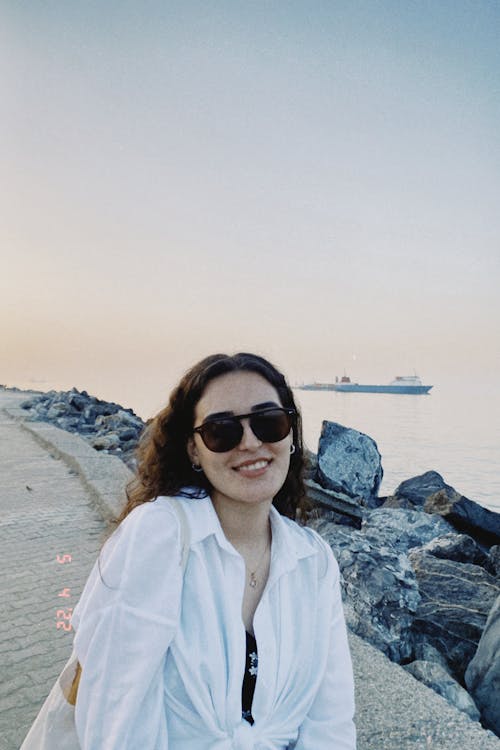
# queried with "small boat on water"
point(409, 384)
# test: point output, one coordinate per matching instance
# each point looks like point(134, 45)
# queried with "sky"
point(315, 181)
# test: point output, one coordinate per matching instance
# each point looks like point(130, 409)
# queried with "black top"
point(249, 679)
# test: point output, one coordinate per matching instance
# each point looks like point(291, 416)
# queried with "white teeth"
point(254, 466)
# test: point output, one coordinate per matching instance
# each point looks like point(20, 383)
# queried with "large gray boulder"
point(466, 516)
point(412, 493)
point(436, 677)
point(380, 589)
point(482, 676)
point(402, 529)
point(349, 462)
point(430, 492)
point(455, 601)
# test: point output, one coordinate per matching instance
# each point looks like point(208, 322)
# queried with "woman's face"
point(253, 471)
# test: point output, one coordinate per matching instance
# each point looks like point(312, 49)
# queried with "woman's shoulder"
point(153, 510)
point(153, 520)
point(306, 538)
point(149, 535)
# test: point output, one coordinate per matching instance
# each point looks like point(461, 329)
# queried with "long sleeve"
point(329, 723)
point(124, 622)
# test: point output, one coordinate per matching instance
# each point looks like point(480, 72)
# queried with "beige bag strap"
point(70, 691)
point(185, 532)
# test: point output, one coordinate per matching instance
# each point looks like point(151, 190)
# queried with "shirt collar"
point(289, 545)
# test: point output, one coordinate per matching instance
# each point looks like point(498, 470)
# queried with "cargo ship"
point(409, 384)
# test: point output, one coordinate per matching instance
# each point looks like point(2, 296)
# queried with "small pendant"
point(253, 581)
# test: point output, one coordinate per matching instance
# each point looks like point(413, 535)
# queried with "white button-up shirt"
point(163, 654)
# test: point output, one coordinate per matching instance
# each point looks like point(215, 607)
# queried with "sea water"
point(453, 430)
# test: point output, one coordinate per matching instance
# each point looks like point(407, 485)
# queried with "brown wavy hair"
point(163, 465)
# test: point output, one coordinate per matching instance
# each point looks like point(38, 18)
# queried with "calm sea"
point(451, 430)
point(454, 430)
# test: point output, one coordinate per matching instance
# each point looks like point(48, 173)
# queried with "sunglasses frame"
point(289, 411)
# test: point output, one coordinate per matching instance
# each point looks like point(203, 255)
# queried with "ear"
point(192, 450)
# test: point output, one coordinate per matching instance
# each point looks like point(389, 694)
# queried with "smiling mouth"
point(255, 466)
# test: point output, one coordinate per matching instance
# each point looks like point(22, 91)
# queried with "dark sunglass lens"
point(222, 435)
point(271, 426)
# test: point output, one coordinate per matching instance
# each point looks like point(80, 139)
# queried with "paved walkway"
point(49, 514)
point(55, 496)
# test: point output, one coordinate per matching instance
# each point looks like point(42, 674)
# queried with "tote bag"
point(54, 727)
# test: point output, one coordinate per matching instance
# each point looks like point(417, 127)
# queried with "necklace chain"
point(253, 578)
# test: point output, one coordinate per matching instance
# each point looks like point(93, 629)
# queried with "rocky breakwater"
point(420, 573)
point(107, 426)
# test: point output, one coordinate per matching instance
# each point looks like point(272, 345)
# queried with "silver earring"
point(197, 468)
point(292, 449)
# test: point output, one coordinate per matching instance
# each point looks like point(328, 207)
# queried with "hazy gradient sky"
point(317, 181)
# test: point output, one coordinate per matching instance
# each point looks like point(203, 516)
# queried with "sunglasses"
point(268, 425)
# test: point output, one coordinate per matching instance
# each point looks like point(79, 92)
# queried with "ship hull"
point(356, 388)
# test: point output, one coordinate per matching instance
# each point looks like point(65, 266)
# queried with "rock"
point(349, 462)
point(77, 400)
point(56, 410)
point(455, 601)
point(402, 529)
point(436, 677)
point(85, 429)
point(494, 556)
point(128, 445)
point(90, 412)
point(415, 491)
point(345, 510)
point(461, 548)
point(28, 404)
point(129, 433)
point(119, 419)
point(393, 501)
point(70, 424)
point(466, 516)
point(310, 464)
point(482, 676)
point(430, 493)
point(423, 651)
point(106, 442)
point(380, 589)
point(128, 416)
point(106, 425)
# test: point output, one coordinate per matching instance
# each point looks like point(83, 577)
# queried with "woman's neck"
point(244, 524)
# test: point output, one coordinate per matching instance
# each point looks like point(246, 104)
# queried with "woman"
point(246, 649)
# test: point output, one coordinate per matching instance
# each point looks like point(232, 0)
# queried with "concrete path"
point(52, 524)
point(56, 494)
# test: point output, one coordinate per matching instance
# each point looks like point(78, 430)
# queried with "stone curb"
point(102, 475)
